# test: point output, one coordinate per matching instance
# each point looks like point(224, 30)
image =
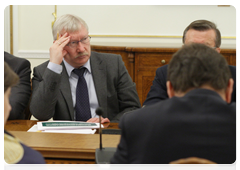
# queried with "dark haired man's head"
point(204, 32)
point(199, 66)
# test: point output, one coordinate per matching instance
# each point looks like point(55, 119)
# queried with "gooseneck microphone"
point(99, 112)
point(103, 155)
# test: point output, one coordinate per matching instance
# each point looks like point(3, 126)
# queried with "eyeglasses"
point(74, 44)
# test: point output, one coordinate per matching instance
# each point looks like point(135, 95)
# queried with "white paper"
point(78, 131)
point(34, 128)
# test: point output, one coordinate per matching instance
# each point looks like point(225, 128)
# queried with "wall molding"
point(161, 43)
point(152, 36)
point(33, 54)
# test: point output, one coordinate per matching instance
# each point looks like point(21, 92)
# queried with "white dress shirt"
point(73, 80)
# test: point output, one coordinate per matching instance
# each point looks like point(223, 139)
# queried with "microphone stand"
point(103, 155)
point(100, 132)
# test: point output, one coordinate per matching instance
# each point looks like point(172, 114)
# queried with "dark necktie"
point(82, 106)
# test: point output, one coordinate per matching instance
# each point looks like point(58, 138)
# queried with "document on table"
point(34, 128)
point(65, 127)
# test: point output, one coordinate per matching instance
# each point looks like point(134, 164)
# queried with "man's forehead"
point(205, 37)
point(203, 34)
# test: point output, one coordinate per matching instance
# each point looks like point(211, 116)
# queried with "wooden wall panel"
point(230, 55)
point(128, 58)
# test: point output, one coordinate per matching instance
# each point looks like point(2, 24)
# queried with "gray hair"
point(67, 23)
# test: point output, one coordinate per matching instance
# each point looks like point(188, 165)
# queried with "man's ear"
point(229, 90)
point(218, 50)
point(170, 90)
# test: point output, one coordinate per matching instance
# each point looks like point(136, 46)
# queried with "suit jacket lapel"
point(99, 74)
point(66, 91)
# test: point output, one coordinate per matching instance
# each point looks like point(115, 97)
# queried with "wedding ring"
point(59, 43)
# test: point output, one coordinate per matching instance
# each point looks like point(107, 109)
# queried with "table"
point(24, 125)
point(59, 147)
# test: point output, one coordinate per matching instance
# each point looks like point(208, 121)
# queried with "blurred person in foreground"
point(15, 152)
point(20, 94)
point(197, 120)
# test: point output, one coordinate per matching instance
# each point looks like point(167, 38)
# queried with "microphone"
point(99, 112)
point(103, 155)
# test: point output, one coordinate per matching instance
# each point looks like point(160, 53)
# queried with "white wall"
point(151, 19)
point(117, 25)
point(6, 29)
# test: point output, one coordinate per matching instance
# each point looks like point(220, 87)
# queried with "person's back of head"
point(203, 25)
point(197, 66)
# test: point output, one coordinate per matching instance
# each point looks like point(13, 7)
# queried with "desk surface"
point(61, 145)
point(66, 148)
point(73, 146)
point(25, 125)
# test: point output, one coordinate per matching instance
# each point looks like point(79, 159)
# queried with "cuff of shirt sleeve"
point(55, 67)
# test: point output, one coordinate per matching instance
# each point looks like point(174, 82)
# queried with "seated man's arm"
point(158, 89)
point(20, 94)
point(128, 99)
point(45, 84)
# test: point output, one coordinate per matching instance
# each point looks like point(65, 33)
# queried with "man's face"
point(79, 55)
point(203, 37)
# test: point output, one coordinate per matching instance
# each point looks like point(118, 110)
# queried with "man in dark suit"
point(21, 93)
point(199, 31)
point(196, 121)
point(55, 82)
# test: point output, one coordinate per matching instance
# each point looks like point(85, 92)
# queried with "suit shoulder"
point(232, 68)
point(8, 57)
point(112, 61)
point(16, 62)
point(23, 62)
point(162, 71)
point(162, 68)
point(42, 66)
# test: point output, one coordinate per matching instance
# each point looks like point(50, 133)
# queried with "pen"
point(57, 35)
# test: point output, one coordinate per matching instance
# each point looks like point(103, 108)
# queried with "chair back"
point(193, 163)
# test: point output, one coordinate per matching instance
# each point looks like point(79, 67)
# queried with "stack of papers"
point(65, 127)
